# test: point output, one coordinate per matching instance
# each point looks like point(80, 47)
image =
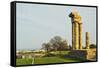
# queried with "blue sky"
point(37, 24)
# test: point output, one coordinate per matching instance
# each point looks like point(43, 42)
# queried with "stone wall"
point(89, 54)
point(78, 53)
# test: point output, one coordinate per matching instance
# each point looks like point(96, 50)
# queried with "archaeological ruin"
point(76, 30)
point(77, 49)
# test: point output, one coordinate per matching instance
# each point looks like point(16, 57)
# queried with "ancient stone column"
point(87, 40)
point(80, 35)
point(76, 35)
point(76, 30)
point(73, 46)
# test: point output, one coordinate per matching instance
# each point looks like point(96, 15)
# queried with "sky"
point(38, 23)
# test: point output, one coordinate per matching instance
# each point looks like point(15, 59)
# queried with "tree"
point(59, 44)
point(65, 45)
point(69, 47)
point(92, 46)
point(47, 47)
point(56, 42)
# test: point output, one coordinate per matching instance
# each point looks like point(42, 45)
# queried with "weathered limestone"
point(80, 36)
point(87, 40)
point(91, 54)
point(76, 34)
point(73, 46)
point(76, 30)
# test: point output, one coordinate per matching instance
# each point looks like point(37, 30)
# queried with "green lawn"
point(23, 61)
point(46, 60)
point(58, 57)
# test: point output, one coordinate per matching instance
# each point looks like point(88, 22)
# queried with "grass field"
point(46, 60)
point(53, 57)
point(23, 61)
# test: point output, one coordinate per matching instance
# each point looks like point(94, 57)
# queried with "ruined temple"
point(77, 50)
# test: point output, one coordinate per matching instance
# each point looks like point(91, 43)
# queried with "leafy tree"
point(55, 44)
point(63, 45)
point(47, 47)
point(59, 44)
point(69, 47)
point(92, 46)
point(56, 41)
